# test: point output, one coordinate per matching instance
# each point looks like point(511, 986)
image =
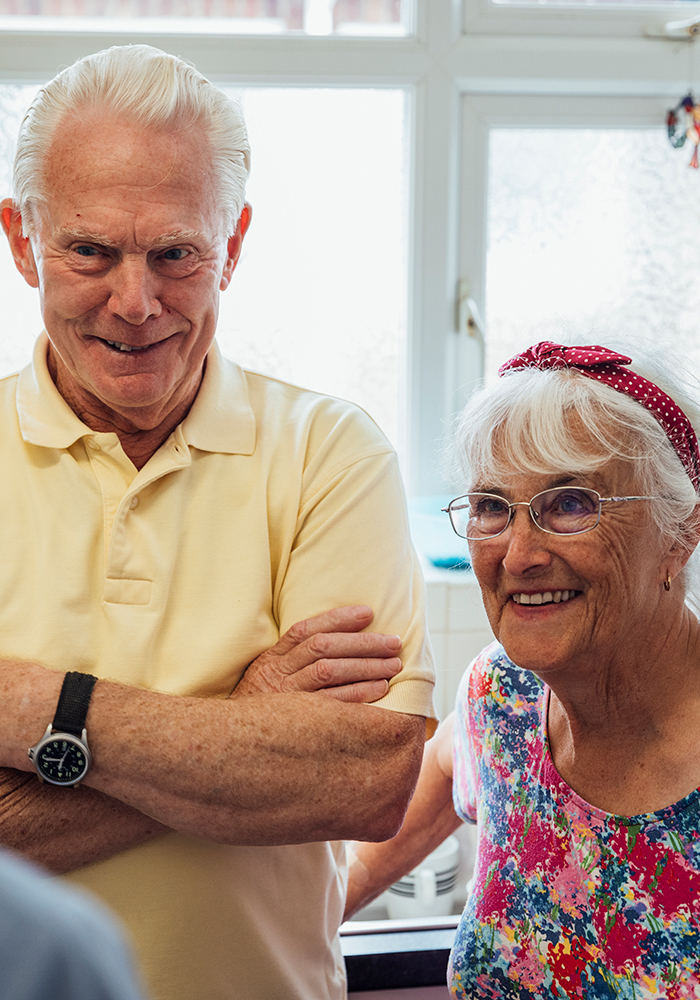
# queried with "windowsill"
point(441, 549)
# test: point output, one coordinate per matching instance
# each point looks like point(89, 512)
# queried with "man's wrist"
point(61, 756)
point(29, 694)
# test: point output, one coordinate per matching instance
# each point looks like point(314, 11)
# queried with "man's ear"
point(234, 246)
point(19, 243)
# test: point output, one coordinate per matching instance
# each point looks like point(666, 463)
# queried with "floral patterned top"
point(568, 900)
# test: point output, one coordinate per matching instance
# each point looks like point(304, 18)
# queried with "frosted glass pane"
point(318, 297)
point(593, 231)
point(21, 317)
point(314, 17)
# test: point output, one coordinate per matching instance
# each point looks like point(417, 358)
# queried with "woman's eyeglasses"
point(565, 510)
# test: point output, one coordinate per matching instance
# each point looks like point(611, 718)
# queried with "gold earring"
point(667, 582)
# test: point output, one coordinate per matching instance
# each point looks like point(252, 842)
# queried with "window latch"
point(675, 30)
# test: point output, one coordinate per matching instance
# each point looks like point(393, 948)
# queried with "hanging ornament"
point(683, 122)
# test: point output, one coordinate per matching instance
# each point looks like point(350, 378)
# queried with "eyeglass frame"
point(533, 515)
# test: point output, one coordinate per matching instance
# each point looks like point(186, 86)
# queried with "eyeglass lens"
point(562, 511)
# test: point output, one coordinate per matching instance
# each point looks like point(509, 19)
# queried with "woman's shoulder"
point(499, 735)
point(499, 710)
point(493, 681)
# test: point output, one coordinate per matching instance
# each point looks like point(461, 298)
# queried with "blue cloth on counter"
point(433, 536)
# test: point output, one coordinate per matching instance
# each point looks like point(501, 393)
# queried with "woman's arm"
point(429, 820)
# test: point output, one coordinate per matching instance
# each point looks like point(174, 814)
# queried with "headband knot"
point(607, 366)
point(549, 355)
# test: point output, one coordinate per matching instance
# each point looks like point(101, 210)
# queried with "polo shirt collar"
point(45, 418)
point(221, 418)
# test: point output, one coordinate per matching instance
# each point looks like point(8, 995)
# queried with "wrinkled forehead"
point(103, 144)
point(98, 169)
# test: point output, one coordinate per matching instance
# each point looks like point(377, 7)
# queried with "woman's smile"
point(545, 597)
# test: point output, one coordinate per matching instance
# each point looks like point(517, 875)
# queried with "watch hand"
point(60, 766)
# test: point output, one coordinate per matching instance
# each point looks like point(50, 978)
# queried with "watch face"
point(62, 760)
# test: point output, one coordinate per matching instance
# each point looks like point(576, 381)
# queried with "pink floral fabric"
point(567, 900)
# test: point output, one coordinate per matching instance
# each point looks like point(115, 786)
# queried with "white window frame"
point(578, 17)
point(440, 68)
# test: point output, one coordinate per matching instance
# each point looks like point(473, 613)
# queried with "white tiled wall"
point(459, 628)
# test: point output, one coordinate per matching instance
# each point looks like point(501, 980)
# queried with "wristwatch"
point(62, 757)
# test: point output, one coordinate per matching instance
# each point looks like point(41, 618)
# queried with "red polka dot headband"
point(607, 366)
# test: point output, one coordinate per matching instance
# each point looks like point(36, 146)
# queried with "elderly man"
point(167, 517)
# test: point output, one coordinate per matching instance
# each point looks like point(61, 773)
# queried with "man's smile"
point(115, 345)
point(123, 347)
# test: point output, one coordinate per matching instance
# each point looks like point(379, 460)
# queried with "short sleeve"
point(353, 546)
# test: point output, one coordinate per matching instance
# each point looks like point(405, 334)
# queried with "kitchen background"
point(436, 183)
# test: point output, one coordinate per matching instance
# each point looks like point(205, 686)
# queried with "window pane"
point(20, 303)
point(314, 17)
point(318, 298)
point(594, 231)
point(320, 292)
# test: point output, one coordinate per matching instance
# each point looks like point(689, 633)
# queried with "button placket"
point(112, 482)
point(118, 588)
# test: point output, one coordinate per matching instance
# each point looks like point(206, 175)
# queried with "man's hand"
point(329, 654)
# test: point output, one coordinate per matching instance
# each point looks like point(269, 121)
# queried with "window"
point(466, 79)
point(569, 185)
point(602, 18)
point(591, 230)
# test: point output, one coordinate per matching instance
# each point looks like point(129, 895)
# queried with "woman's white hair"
point(148, 88)
point(560, 421)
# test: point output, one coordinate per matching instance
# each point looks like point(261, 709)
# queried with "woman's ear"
point(682, 549)
point(20, 246)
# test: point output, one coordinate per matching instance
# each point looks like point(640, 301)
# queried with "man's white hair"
point(147, 88)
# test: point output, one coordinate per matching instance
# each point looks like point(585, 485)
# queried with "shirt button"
point(134, 502)
point(92, 444)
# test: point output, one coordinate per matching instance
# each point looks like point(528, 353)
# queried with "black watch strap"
point(73, 703)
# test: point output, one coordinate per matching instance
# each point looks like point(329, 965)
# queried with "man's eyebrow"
point(78, 233)
point(165, 239)
point(180, 236)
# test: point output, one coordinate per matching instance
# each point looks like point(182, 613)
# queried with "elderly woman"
point(575, 743)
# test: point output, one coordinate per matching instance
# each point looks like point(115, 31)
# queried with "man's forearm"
point(64, 829)
point(265, 769)
point(268, 769)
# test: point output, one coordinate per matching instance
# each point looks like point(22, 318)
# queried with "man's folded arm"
point(284, 760)
point(268, 769)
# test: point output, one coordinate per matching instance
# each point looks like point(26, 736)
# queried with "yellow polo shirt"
point(268, 504)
